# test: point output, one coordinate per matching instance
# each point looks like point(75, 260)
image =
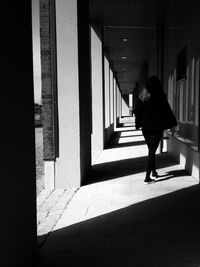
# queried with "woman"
point(153, 114)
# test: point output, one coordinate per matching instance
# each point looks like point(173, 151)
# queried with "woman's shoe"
point(154, 173)
point(149, 181)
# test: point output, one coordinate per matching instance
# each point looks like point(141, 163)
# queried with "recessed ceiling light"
point(123, 57)
point(123, 39)
point(124, 68)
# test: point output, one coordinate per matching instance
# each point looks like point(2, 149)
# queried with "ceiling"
point(129, 31)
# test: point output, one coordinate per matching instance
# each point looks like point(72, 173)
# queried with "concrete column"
point(115, 104)
point(74, 93)
point(125, 105)
point(130, 104)
point(97, 93)
point(111, 96)
point(118, 102)
point(85, 90)
point(120, 105)
point(18, 183)
point(160, 60)
point(107, 92)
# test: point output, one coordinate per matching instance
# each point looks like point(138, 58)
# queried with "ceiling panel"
point(126, 12)
point(136, 49)
point(131, 19)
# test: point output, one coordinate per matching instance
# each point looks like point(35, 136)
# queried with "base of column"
point(49, 170)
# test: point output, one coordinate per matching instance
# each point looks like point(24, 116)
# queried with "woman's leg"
point(152, 139)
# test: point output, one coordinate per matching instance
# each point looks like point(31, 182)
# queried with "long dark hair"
point(154, 87)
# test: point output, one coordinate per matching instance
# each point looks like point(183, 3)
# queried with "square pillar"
point(115, 104)
point(74, 93)
point(130, 104)
point(18, 170)
point(107, 92)
point(97, 91)
point(125, 105)
point(119, 104)
point(108, 98)
point(111, 96)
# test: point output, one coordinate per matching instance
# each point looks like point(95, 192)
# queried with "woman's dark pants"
point(152, 139)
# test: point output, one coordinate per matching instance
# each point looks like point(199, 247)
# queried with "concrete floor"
point(117, 220)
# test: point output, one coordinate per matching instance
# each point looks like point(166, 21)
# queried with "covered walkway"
point(117, 220)
point(96, 56)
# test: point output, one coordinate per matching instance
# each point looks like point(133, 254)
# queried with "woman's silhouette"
point(153, 114)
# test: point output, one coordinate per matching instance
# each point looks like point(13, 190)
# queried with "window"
point(183, 94)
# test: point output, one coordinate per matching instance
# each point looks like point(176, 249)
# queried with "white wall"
point(111, 96)
point(97, 95)
point(125, 105)
point(107, 92)
point(68, 163)
point(188, 158)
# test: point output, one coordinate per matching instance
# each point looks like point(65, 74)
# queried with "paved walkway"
point(51, 204)
point(117, 220)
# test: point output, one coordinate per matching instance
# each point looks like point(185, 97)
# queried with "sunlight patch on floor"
point(122, 153)
point(131, 124)
point(131, 133)
point(106, 197)
point(130, 139)
point(124, 129)
point(125, 188)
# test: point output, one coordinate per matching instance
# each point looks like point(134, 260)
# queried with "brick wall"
point(48, 67)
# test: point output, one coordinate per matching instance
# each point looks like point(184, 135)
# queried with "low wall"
point(187, 156)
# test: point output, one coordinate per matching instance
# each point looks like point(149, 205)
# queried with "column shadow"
point(116, 169)
point(162, 231)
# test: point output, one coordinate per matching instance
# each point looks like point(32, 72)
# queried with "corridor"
point(116, 220)
point(89, 61)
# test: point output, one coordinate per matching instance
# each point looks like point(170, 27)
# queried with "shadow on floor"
point(161, 232)
point(115, 144)
point(124, 124)
point(115, 139)
point(171, 174)
point(111, 170)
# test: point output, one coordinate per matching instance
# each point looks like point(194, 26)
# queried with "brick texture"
point(48, 72)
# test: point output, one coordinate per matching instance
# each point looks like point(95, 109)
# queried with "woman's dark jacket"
point(154, 114)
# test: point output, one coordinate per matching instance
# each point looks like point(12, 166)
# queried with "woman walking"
point(153, 114)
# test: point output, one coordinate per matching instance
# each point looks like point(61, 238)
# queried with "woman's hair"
point(144, 95)
point(153, 86)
